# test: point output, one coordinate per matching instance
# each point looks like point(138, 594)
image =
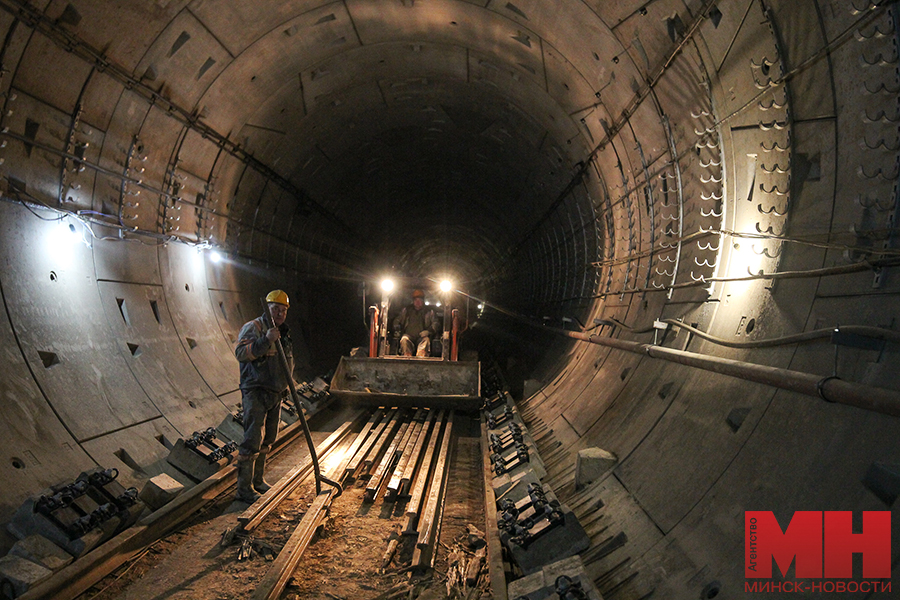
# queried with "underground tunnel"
point(679, 218)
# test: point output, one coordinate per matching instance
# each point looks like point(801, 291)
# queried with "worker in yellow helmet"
point(263, 383)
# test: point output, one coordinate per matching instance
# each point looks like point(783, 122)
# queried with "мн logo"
point(821, 543)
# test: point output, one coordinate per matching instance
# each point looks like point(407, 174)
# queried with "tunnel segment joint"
point(820, 387)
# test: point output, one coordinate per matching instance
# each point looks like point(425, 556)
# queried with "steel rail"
point(388, 461)
point(406, 452)
point(430, 522)
point(344, 470)
point(263, 507)
point(276, 579)
point(353, 466)
point(412, 507)
point(274, 582)
point(412, 466)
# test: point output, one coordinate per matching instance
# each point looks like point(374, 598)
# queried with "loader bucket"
point(406, 381)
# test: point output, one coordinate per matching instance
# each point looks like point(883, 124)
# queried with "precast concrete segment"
point(184, 277)
point(156, 356)
point(138, 452)
point(27, 466)
point(54, 304)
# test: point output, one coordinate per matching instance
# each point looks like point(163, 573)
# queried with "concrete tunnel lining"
point(524, 150)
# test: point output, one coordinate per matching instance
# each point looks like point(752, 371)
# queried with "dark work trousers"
point(262, 412)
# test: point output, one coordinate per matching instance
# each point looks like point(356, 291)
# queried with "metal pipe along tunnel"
point(699, 175)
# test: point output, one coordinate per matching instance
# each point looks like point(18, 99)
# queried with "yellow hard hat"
point(278, 297)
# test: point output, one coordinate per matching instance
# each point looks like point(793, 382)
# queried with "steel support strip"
point(830, 389)
point(496, 572)
point(680, 190)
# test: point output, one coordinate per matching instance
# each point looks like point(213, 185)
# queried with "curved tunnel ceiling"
point(730, 164)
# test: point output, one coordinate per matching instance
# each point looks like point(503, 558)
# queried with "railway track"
point(390, 534)
point(428, 503)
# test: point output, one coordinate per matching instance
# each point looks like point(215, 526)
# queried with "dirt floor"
point(345, 558)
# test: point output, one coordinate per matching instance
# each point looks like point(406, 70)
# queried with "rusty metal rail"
point(259, 510)
point(430, 521)
point(276, 579)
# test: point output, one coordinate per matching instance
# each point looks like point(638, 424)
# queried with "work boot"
point(259, 469)
point(244, 492)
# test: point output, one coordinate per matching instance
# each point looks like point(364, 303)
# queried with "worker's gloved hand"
point(273, 334)
point(425, 333)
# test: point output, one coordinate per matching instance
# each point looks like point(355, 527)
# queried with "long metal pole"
point(828, 388)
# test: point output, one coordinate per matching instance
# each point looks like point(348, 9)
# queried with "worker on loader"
point(416, 326)
point(263, 384)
